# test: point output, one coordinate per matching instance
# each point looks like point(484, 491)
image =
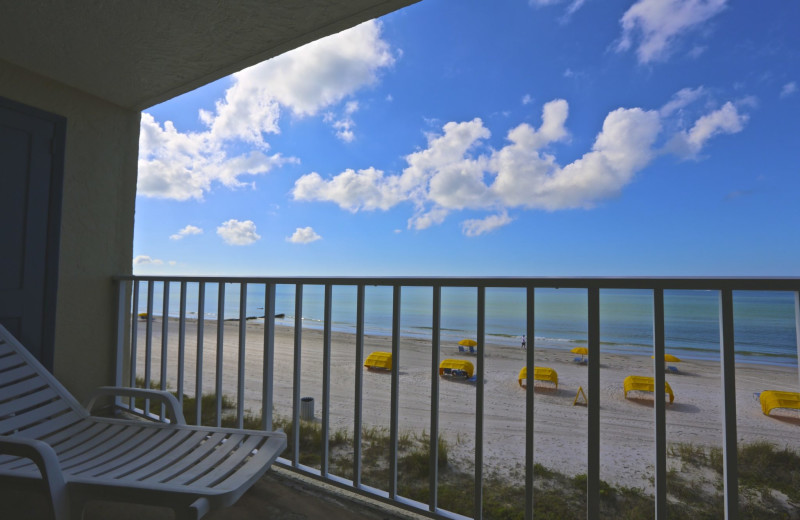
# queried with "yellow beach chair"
point(379, 360)
point(539, 374)
point(771, 399)
point(456, 368)
point(644, 384)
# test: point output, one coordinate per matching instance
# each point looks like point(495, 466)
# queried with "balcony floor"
point(280, 495)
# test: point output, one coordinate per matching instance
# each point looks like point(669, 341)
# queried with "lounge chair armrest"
point(172, 404)
point(46, 460)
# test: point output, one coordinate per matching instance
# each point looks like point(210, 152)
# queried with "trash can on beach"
point(307, 408)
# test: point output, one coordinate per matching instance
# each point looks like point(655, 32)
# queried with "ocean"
point(764, 321)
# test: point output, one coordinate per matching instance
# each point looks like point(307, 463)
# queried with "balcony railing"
point(140, 303)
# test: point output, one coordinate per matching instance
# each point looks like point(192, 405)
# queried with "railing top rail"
point(666, 283)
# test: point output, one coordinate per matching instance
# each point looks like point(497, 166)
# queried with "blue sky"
point(511, 138)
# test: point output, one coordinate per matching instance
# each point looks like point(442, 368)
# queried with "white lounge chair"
point(45, 435)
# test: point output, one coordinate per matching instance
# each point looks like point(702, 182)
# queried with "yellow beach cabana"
point(775, 399)
point(456, 368)
point(644, 384)
point(539, 374)
point(379, 360)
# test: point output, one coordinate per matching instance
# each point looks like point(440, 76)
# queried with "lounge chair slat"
point(113, 452)
point(235, 459)
point(159, 455)
point(131, 452)
point(71, 443)
point(5, 348)
point(23, 387)
point(239, 478)
point(9, 361)
point(109, 440)
point(63, 442)
point(17, 374)
point(223, 457)
point(19, 421)
point(59, 429)
point(186, 456)
point(180, 456)
point(36, 399)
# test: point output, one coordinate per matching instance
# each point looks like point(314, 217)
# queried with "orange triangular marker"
point(577, 396)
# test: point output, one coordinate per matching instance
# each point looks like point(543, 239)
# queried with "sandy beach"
point(560, 437)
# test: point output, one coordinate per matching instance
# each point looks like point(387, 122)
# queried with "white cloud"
point(457, 170)
point(528, 178)
point(726, 120)
point(321, 73)
point(176, 165)
point(351, 107)
point(343, 125)
point(681, 99)
point(304, 81)
point(789, 89)
point(574, 5)
point(657, 24)
point(476, 227)
point(146, 260)
point(527, 99)
point(304, 235)
point(237, 233)
point(697, 51)
point(188, 230)
point(424, 219)
point(351, 190)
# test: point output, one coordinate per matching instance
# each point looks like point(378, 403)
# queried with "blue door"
point(31, 175)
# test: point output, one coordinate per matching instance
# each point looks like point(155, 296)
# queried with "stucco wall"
point(96, 225)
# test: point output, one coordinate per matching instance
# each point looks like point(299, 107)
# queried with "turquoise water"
point(764, 321)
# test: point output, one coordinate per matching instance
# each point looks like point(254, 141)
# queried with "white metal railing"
point(129, 299)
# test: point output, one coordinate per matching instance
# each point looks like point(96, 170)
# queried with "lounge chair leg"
point(197, 510)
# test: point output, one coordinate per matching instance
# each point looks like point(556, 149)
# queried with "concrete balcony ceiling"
point(138, 54)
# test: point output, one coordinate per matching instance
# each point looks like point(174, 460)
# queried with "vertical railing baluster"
point(436, 327)
point(164, 344)
point(148, 344)
point(201, 320)
point(659, 408)
point(122, 318)
point(134, 340)
point(530, 332)
point(358, 398)
point(394, 416)
point(326, 378)
point(220, 344)
point(797, 328)
point(269, 357)
point(730, 471)
point(593, 452)
point(242, 354)
point(478, 494)
point(182, 343)
point(298, 337)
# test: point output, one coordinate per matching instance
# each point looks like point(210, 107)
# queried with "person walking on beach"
point(523, 341)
